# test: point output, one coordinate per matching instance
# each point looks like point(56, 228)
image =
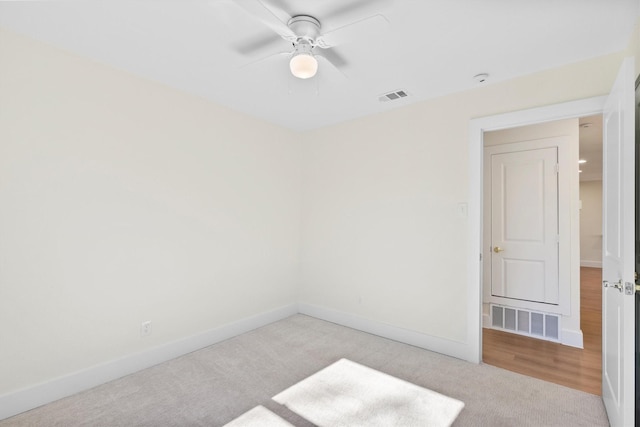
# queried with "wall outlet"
point(145, 329)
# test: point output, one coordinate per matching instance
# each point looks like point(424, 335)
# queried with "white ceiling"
point(431, 47)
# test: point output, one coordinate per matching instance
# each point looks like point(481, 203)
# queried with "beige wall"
point(532, 132)
point(124, 201)
point(633, 49)
point(381, 235)
point(591, 223)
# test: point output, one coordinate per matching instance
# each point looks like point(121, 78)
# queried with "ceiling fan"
point(305, 32)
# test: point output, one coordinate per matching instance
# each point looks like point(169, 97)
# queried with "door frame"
point(477, 127)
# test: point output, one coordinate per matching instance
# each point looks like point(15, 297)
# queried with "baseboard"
point(28, 398)
point(567, 337)
point(486, 320)
point(572, 338)
point(595, 264)
point(456, 349)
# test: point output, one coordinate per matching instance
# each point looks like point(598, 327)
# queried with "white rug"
point(349, 394)
point(258, 417)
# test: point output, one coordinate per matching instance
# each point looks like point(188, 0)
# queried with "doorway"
point(477, 127)
point(618, 311)
point(508, 346)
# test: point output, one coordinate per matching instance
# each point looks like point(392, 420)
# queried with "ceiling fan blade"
point(354, 10)
point(326, 61)
point(266, 58)
point(364, 29)
point(268, 17)
point(256, 44)
point(334, 58)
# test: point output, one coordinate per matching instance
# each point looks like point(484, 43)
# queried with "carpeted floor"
point(346, 394)
point(215, 385)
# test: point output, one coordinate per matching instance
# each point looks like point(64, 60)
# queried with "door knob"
point(497, 249)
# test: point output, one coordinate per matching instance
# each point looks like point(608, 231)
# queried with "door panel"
point(618, 250)
point(524, 225)
point(515, 287)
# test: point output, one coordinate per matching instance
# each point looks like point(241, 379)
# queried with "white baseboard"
point(440, 345)
point(568, 337)
point(572, 338)
point(25, 399)
point(486, 320)
point(586, 263)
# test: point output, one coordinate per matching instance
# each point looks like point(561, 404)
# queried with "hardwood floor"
point(572, 367)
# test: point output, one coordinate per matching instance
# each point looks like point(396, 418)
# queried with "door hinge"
point(480, 257)
point(557, 167)
point(616, 285)
point(628, 288)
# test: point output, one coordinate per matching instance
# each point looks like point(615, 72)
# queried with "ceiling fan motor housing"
point(305, 27)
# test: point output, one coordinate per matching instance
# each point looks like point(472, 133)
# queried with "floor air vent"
point(525, 322)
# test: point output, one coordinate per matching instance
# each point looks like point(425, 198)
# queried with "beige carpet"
point(259, 417)
point(216, 385)
point(348, 394)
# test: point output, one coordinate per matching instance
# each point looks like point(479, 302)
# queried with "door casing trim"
point(477, 127)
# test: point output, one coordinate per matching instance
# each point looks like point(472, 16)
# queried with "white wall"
point(591, 224)
point(121, 201)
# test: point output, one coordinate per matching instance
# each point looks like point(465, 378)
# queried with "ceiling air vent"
point(391, 96)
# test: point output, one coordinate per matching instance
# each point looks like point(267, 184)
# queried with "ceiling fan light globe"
point(303, 66)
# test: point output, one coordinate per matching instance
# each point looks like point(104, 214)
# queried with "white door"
point(618, 374)
point(524, 225)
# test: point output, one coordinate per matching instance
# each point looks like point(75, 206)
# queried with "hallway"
point(572, 367)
